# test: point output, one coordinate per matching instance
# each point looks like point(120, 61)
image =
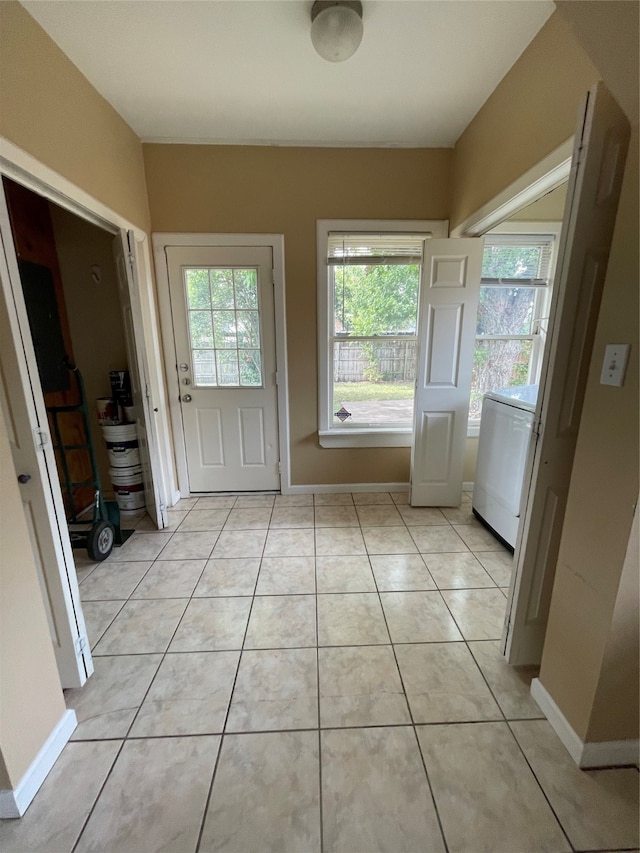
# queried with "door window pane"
point(228, 367)
point(223, 316)
point(246, 286)
point(225, 329)
point(204, 367)
point(198, 293)
point(200, 329)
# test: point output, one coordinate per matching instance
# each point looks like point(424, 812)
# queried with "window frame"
point(542, 302)
point(355, 436)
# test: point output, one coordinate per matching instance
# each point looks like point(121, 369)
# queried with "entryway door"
point(222, 310)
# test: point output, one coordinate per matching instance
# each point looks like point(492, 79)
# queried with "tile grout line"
point(505, 721)
point(226, 716)
point(317, 646)
point(320, 798)
point(135, 716)
point(99, 794)
point(409, 709)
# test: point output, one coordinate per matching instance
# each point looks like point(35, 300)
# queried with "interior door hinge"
point(41, 437)
point(81, 646)
point(279, 467)
point(275, 377)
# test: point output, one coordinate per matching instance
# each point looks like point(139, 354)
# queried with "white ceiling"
point(245, 72)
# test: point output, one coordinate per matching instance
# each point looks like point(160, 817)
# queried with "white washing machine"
point(505, 437)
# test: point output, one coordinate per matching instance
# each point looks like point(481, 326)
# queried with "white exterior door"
point(448, 309)
point(33, 457)
point(125, 260)
point(222, 307)
point(592, 200)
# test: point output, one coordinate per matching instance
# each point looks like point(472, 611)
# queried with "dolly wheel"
point(100, 540)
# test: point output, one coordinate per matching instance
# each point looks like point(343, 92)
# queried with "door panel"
point(124, 256)
point(223, 323)
point(448, 308)
point(32, 452)
point(592, 199)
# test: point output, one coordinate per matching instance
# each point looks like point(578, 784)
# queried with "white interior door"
point(34, 460)
point(448, 308)
point(222, 306)
point(592, 199)
point(125, 259)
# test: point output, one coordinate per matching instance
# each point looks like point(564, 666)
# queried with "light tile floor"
point(296, 674)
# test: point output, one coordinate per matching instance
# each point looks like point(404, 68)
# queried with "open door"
point(35, 466)
point(592, 200)
point(448, 309)
point(124, 249)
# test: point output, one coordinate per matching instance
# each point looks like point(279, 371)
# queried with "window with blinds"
point(374, 284)
point(514, 299)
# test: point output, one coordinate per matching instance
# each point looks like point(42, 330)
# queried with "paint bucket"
point(122, 445)
point(128, 487)
point(107, 411)
point(128, 414)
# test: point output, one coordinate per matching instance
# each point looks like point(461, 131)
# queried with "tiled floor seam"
point(413, 725)
point(98, 795)
point(506, 721)
point(320, 801)
point(226, 718)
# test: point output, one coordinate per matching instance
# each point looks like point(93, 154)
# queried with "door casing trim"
point(163, 240)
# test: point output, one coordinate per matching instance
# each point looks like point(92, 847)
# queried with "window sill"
point(394, 437)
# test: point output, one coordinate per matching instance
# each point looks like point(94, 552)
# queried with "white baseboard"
point(335, 488)
point(590, 754)
point(15, 803)
point(467, 487)
point(610, 753)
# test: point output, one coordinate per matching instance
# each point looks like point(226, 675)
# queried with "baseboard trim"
point(15, 803)
point(586, 755)
point(467, 487)
point(611, 753)
point(339, 488)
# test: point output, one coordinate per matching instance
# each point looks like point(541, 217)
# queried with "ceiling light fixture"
point(336, 28)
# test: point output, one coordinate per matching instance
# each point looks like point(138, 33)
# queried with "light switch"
point(614, 365)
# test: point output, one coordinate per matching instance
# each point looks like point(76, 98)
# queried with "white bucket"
point(107, 411)
point(128, 487)
point(122, 445)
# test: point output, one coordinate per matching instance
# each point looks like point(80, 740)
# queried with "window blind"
point(536, 275)
point(369, 249)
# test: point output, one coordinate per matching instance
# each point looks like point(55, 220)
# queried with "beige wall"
point(603, 490)
point(94, 313)
point(616, 704)
point(285, 190)
point(608, 32)
point(51, 111)
point(531, 112)
point(31, 700)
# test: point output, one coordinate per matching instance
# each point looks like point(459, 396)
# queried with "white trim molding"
point(160, 242)
point(549, 174)
point(14, 803)
point(585, 754)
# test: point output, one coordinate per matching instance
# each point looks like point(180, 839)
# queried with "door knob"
point(24, 478)
point(186, 398)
